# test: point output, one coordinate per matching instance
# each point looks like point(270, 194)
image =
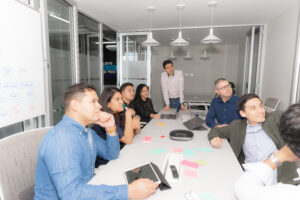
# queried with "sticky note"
point(190, 164)
point(206, 196)
point(160, 124)
point(204, 149)
point(201, 162)
point(178, 150)
point(147, 139)
point(189, 173)
point(188, 152)
point(158, 151)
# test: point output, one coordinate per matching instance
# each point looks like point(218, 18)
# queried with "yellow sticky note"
point(201, 162)
point(160, 124)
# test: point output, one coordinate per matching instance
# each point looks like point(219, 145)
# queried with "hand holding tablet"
point(143, 171)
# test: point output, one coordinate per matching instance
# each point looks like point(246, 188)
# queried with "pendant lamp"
point(150, 40)
point(172, 56)
point(180, 41)
point(204, 55)
point(188, 56)
point(211, 38)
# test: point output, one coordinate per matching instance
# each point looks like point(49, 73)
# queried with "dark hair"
point(289, 127)
point(219, 80)
point(105, 98)
point(243, 100)
point(125, 85)
point(76, 91)
point(139, 90)
point(166, 62)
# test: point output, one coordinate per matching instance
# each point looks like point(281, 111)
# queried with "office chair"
point(271, 104)
point(18, 155)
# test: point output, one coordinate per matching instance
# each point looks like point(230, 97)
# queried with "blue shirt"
point(257, 145)
point(66, 163)
point(225, 113)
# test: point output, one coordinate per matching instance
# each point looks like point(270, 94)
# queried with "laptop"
point(170, 114)
point(195, 124)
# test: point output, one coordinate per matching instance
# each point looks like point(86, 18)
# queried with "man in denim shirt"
point(224, 109)
point(67, 154)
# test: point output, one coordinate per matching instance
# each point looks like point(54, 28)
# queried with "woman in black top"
point(143, 104)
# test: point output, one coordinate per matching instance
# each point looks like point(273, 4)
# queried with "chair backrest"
point(18, 155)
point(271, 104)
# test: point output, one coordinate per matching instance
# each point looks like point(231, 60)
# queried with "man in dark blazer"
point(255, 137)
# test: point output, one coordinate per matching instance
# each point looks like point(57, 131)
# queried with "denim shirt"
point(66, 163)
point(225, 113)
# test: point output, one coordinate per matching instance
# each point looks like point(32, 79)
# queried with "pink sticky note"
point(189, 173)
point(147, 139)
point(178, 150)
point(190, 164)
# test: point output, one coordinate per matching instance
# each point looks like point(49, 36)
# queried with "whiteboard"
point(22, 91)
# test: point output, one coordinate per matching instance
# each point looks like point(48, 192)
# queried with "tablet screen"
point(144, 171)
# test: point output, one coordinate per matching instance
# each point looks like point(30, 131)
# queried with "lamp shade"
point(188, 56)
point(211, 38)
point(179, 41)
point(204, 56)
point(172, 56)
point(151, 41)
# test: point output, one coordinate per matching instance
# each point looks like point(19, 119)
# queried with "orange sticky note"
point(160, 124)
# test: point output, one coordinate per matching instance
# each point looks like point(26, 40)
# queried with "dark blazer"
point(236, 133)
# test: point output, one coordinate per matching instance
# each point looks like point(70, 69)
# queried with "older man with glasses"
point(223, 109)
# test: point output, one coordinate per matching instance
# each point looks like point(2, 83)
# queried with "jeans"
point(175, 103)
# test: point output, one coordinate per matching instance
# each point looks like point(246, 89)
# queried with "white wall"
point(199, 74)
point(279, 56)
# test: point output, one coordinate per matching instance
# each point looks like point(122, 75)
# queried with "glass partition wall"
point(134, 59)
point(90, 69)
point(109, 57)
point(62, 53)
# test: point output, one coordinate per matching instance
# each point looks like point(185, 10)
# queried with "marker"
point(192, 194)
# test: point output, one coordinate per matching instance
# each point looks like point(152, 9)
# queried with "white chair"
point(18, 155)
point(271, 104)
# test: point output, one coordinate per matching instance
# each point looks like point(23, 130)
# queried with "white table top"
point(217, 177)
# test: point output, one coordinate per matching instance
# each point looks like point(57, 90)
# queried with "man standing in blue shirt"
point(67, 153)
point(224, 108)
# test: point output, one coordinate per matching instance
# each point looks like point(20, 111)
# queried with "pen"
point(124, 106)
point(192, 194)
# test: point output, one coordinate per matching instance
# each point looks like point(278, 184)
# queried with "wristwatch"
point(274, 160)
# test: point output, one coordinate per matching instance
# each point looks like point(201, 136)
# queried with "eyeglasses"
point(225, 87)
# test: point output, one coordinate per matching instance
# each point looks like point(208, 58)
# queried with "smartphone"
point(174, 171)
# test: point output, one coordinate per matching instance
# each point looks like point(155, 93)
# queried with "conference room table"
point(213, 180)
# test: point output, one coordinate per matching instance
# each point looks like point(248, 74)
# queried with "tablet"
point(142, 171)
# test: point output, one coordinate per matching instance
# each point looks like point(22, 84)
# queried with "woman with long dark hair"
point(143, 104)
point(126, 124)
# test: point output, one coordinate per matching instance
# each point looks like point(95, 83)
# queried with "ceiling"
point(131, 15)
